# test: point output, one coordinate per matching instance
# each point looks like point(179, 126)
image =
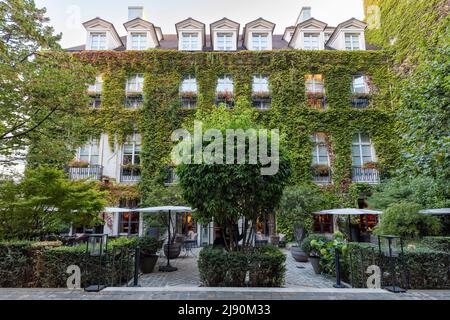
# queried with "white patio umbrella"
point(349, 212)
point(169, 209)
point(118, 210)
point(436, 212)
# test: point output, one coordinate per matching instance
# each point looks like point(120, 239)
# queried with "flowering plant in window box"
point(360, 95)
point(131, 166)
point(78, 164)
point(321, 170)
point(261, 95)
point(188, 94)
point(371, 165)
point(134, 93)
point(225, 95)
point(315, 95)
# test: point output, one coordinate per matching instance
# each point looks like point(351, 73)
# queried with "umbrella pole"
point(350, 229)
point(168, 268)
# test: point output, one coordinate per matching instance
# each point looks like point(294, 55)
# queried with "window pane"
point(365, 138)
point(356, 151)
point(366, 151)
point(357, 161)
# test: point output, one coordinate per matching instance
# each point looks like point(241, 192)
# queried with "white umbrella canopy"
point(349, 212)
point(164, 209)
point(436, 212)
point(118, 210)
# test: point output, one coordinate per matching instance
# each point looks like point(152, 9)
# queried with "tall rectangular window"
point(97, 86)
point(139, 41)
point(320, 149)
point(362, 150)
point(352, 41)
point(90, 153)
point(315, 83)
point(98, 41)
point(260, 41)
point(260, 83)
point(190, 41)
point(189, 84)
point(311, 41)
point(359, 84)
point(135, 84)
point(131, 159)
point(225, 41)
point(225, 84)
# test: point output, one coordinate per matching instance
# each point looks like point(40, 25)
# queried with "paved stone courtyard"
point(297, 274)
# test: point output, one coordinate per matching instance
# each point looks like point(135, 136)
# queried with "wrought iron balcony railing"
point(93, 172)
point(130, 176)
point(366, 175)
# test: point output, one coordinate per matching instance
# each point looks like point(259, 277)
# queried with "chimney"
point(305, 14)
point(135, 12)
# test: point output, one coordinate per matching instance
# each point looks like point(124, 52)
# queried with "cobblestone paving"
point(220, 294)
point(188, 275)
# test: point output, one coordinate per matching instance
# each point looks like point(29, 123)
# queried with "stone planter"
point(315, 262)
point(148, 262)
point(175, 250)
point(298, 254)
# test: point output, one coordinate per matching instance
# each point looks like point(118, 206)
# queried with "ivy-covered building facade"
point(327, 91)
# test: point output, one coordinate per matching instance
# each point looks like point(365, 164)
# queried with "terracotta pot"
point(298, 254)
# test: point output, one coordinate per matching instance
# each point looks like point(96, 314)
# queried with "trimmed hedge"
point(422, 268)
point(44, 265)
point(219, 268)
point(437, 243)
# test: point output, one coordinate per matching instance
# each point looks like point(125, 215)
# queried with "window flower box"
point(261, 95)
point(188, 95)
point(225, 96)
point(321, 170)
point(78, 164)
point(371, 165)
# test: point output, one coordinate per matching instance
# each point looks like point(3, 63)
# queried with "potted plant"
point(148, 258)
point(225, 95)
point(314, 255)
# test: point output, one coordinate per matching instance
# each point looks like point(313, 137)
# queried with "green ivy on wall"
point(162, 112)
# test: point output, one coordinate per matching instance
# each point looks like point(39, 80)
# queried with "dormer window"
point(260, 41)
point(311, 41)
point(139, 41)
point(352, 41)
point(190, 41)
point(135, 84)
point(224, 41)
point(98, 41)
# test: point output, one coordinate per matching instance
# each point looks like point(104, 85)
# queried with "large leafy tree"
point(43, 88)
point(44, 202)
point(227, 193)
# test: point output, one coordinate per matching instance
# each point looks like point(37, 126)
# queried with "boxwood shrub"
point(437, 243)
point(44, 264)
point(219, 268)
point(422, 267)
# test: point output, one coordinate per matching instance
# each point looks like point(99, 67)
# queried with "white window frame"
point(90, 146)
point(97, 87)
point(360, 144)
point(190, 41)
point(142, 41)
point(100, 42)
point(226, 82)
point(189, 84)
point(225, 41)
point(135, 142)
point(260, 83)
point(353, 42)
point(135, 84)
point(308, 41)
point(366, 86)
point(318, 143)
point(260, 41)
point(313, 85)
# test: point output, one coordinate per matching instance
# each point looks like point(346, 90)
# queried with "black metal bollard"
point(337, 256)
point(137, 263)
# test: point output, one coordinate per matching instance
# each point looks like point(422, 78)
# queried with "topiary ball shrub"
point(267, 267)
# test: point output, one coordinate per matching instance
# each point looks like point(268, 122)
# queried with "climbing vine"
point(162, 112)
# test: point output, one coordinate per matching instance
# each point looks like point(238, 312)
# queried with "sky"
point(67, 16)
